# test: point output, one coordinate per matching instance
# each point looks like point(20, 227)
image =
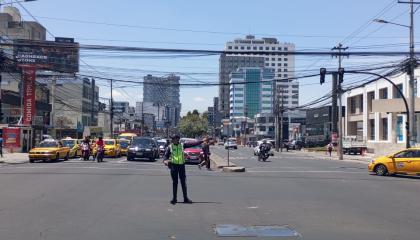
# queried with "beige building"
point(12, 26)
point(376, 113)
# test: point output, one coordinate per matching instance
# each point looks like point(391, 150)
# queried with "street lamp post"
point(412, 65)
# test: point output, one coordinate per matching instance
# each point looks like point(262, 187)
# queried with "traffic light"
point(341, 75)
point(322, 72)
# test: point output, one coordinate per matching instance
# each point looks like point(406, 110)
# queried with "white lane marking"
point(102, 168)
point(309, 171)
point(162, 169)
point(253, 207)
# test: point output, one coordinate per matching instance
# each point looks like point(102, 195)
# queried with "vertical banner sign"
point(29, 74)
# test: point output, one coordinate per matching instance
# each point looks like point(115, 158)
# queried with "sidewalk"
point(14, 158)
point(322, 155)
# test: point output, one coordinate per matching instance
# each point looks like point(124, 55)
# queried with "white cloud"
point(199, 99)
point(116, 93)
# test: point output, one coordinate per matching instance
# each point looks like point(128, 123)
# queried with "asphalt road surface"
point(320, 199)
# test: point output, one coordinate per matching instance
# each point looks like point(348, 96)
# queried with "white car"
point(257, 149)
point(231, 144)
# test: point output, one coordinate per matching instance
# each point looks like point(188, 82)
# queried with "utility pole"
point(246, 123)
point(277, 116)
point(281, 121)
point(111, 112)
point(412, 66)
point(411, 83)
point(52, 114)
point(340, 76)
point(142, 118)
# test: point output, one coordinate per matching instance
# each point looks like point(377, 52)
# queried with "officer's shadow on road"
point(200, 202)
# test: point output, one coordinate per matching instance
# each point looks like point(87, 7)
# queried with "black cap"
point(176, 136)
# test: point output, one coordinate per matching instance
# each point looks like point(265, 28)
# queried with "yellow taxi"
point(49, 149)
point(403, 162)
point(112, 148)
point(75, 150)
point(127, 136)
point(124, 144)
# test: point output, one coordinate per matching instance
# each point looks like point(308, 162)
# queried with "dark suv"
point(143, 148)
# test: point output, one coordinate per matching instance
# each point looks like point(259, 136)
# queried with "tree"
point(193, 125)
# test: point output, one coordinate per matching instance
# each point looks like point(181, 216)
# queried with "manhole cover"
point(231, 230)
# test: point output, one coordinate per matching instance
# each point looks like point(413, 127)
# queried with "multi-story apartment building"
point(251, 92)
point(273, 53)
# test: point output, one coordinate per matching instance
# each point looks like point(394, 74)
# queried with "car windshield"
point(109, 142)
point(48, 144)
point(142, 142)
point(124, 144)
point(68, 143)
point(161, 143)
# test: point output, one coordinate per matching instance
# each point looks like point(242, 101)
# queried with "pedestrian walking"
point(174, 159)
point(206, 155)
point(330, 148)
point(1, 146)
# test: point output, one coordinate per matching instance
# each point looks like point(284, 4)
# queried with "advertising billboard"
point(59, 56)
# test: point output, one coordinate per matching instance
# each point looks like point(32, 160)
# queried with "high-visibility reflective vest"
point(177, 154)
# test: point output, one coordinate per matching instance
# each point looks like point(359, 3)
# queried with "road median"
point(221, 163)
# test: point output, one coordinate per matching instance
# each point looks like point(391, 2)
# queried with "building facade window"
point(372, 129)
point(352, 105)
point(384, 128)
point(397, 93)
point(383, 93)
point(399, 132)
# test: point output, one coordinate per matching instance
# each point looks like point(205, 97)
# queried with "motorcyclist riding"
point(264, 149)
point(100, 149)
point(85, 146)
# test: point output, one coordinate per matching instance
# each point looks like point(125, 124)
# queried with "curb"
point(233, 169)
point(13, 163)
point(317, 156)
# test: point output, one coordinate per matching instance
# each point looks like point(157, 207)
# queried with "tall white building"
point(282, 63)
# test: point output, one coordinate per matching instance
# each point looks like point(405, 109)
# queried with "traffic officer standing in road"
point(174, 159)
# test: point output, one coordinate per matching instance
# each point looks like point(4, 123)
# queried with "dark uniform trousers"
point(178, 170)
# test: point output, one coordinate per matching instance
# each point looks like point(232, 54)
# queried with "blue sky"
point(316, 25)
